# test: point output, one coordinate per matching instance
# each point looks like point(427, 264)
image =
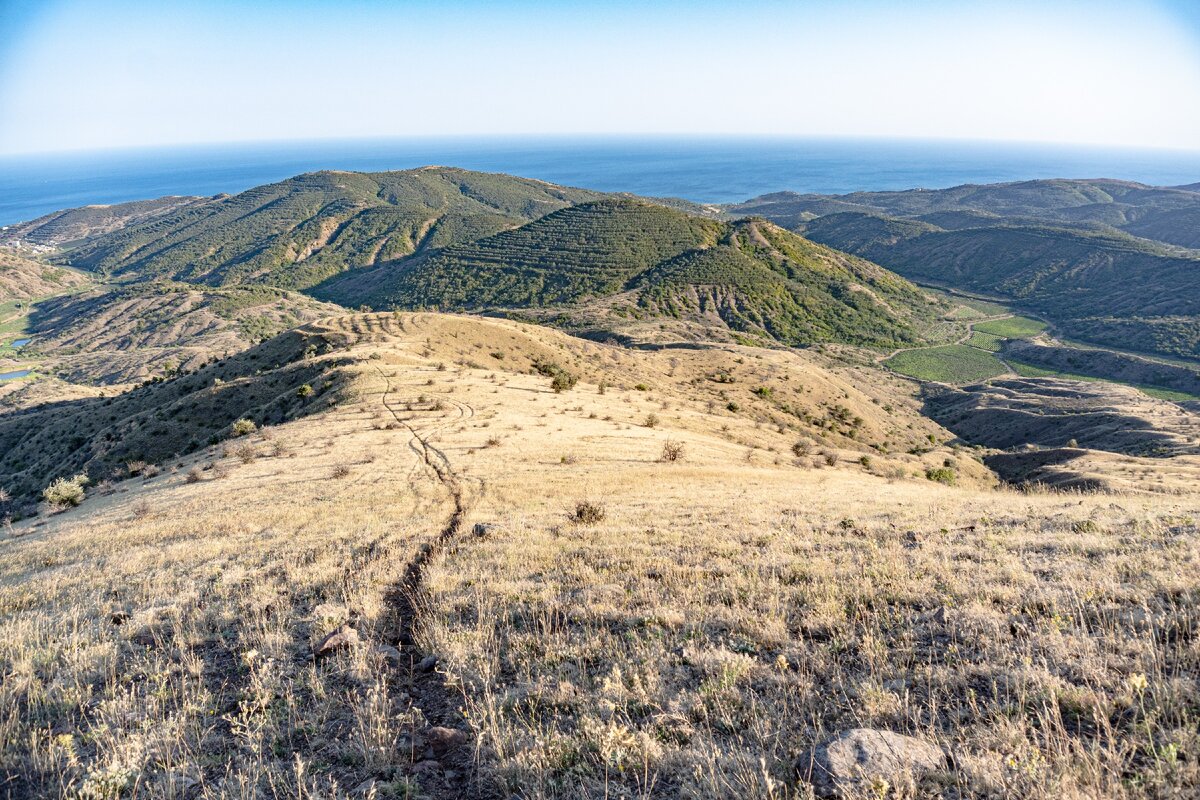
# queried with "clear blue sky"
point(78, 75)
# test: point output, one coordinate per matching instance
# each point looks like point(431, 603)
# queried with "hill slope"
point(298, 232)
point(673, 607)
point(1107, 288)
point(650, 260)
point(72, 225)
point(25, 279)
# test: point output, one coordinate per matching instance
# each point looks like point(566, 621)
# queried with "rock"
point(343, 638)
point(119, 617)
point(389, 654)
point(442, 740)
point(858, 760)
point(426, 767)
point(485, 529)
point(427, 663)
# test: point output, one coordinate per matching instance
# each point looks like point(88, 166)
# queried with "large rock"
point(864, 758)
point(344, 638)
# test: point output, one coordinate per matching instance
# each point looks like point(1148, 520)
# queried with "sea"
point(702, 169)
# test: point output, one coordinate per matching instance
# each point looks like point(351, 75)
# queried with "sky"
point(81, 74)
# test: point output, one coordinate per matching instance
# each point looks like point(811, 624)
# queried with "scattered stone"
point(343, 638)
point(442, 740)
point(389, 654)
point(855, 761)
point(427, 663)
point(935, 617)
point(485, 529)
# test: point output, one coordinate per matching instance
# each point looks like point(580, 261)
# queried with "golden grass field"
point(792, 573)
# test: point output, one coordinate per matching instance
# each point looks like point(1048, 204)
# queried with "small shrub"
point(493, 441)
point(651, 421)
point(246, 453)
point(671, 451)
point(732, 406)
point(944, 475)
point(765, 392)
point(135, 468)
point(194, 475)
point(66, 492)
point(569, 458)
point(304, 391)
point(244, 427)
point(588, 513)
point(831, 458)
point(641, 387)
point(340, 471)
point(802, 448)
point(562, 382)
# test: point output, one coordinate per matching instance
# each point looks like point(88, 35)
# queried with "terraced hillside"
point(648, 260)
point(296, 233)
point(72, 225)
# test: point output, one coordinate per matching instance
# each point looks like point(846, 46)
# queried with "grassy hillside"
point(1083, 281)
point(296, 233)
point(752, 276)
point(101, 435)
point(129, 333)
point(627, 589)
point(23, 279)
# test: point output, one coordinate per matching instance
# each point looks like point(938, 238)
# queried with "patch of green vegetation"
point(1015, 327)
point(985, 341)
point(953, 363)
point(1031, 371)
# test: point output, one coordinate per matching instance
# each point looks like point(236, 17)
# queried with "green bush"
point(66, 492)
point(244, 427)
point(945, 475)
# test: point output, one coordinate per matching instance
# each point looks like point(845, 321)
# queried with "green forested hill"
point(300, 231)
point(1088, 282)
point(751, 275)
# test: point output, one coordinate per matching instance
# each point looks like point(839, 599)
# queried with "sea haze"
point(700, 169)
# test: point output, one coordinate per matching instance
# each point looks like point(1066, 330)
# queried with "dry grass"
point(726, 612)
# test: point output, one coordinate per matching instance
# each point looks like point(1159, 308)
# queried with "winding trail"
point(438, 702)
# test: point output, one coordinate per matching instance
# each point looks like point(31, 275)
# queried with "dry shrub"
point(340, 471)
point(671, 451)
point(587, 513)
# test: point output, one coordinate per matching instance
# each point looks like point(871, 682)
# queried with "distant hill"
point(299, 232)
point(1101, 202)
point(1084, 281)
point(752, 276)
point(76, 224)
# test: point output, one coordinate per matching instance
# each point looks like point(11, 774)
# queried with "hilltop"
point(482, 557)
point(298, 232)
point(648, 260)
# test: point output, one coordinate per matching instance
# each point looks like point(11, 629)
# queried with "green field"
point(955, 363)
point(1012, 327)
point(985, 341)
point(1030, 371)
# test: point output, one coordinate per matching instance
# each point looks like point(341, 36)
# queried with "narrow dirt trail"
point(456, 772)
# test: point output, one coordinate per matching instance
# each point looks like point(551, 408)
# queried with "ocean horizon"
point(701, 169)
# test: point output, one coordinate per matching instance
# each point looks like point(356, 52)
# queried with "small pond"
point(8, 376)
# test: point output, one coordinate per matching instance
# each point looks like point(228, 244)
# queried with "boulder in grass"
point(864, 759)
